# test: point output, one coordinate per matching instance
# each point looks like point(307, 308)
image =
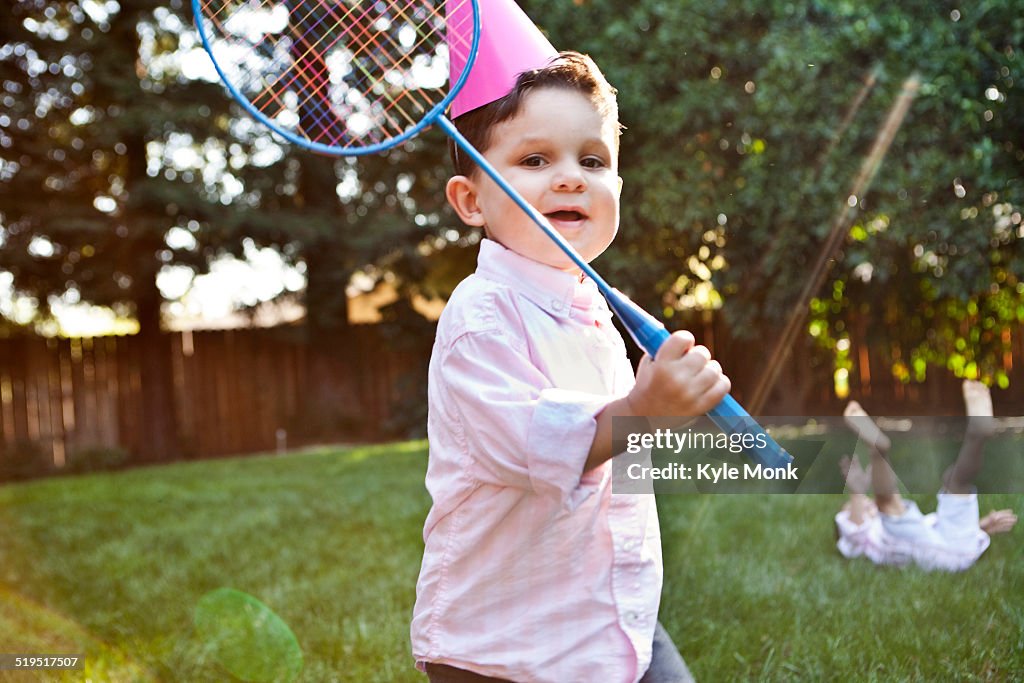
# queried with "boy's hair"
point(570, 70)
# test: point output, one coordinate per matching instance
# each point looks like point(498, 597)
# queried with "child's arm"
point(681, 381)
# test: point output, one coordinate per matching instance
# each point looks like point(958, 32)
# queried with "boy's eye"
point(593, 162)
point(533, 160)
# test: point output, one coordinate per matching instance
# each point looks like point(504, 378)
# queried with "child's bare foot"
point(998, 522)
point(861, 423)
point(978, 401)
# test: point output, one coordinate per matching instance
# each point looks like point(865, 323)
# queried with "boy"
point(532, 570)
point(892, 530)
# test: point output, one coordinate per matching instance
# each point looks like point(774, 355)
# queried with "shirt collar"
point(553, 290)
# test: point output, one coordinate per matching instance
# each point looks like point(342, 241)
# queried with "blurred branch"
point(836, 237)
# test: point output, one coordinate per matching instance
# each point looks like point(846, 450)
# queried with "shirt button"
point(556, 305)
point(633, 617)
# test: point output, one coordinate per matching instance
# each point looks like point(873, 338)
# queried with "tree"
point(87, 198)
point(121, 157)
point(744, 134)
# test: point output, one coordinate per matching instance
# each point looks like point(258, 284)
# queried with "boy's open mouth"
point(566, 216)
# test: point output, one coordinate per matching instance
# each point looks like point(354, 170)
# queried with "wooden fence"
point(244, 391)
point(236, 391)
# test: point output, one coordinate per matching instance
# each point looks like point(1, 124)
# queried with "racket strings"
point(342, 74)
point(366, 58)
point(366, 47)
point(312, 68)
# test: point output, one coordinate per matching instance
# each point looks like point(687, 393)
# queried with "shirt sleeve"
point(518, 429)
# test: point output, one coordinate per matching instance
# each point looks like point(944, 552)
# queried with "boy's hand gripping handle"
point(650, 334)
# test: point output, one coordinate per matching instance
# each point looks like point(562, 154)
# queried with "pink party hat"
point(509, 45)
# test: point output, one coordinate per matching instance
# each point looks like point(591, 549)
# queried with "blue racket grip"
point(728, 415)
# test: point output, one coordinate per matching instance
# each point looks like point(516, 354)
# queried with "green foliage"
point(747, 123)
point(88, 195)
point(109, 144)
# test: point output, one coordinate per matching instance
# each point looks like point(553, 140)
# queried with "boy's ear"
point(461, 194)
point(620, 184)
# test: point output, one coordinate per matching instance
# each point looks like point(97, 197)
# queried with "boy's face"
point(560, 154)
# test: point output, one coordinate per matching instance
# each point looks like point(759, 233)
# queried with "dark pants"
point(667, 666)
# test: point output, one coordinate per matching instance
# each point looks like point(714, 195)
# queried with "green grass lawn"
point(114, 565)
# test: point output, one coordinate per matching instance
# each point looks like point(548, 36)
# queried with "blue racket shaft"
point(647, 331)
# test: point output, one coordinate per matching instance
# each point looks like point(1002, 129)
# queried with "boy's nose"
point(569, 178)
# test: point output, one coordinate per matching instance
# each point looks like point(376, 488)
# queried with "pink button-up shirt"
point(532, 570)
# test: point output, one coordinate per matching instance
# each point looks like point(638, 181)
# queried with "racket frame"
point(428, 119)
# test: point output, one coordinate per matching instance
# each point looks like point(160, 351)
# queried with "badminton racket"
point(355, 77)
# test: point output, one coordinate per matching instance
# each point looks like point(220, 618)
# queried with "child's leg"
point(860, 506)
point(863, 426)
point(978, 407)
point(960, 476)
point(883, 479)
point(667, 665)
